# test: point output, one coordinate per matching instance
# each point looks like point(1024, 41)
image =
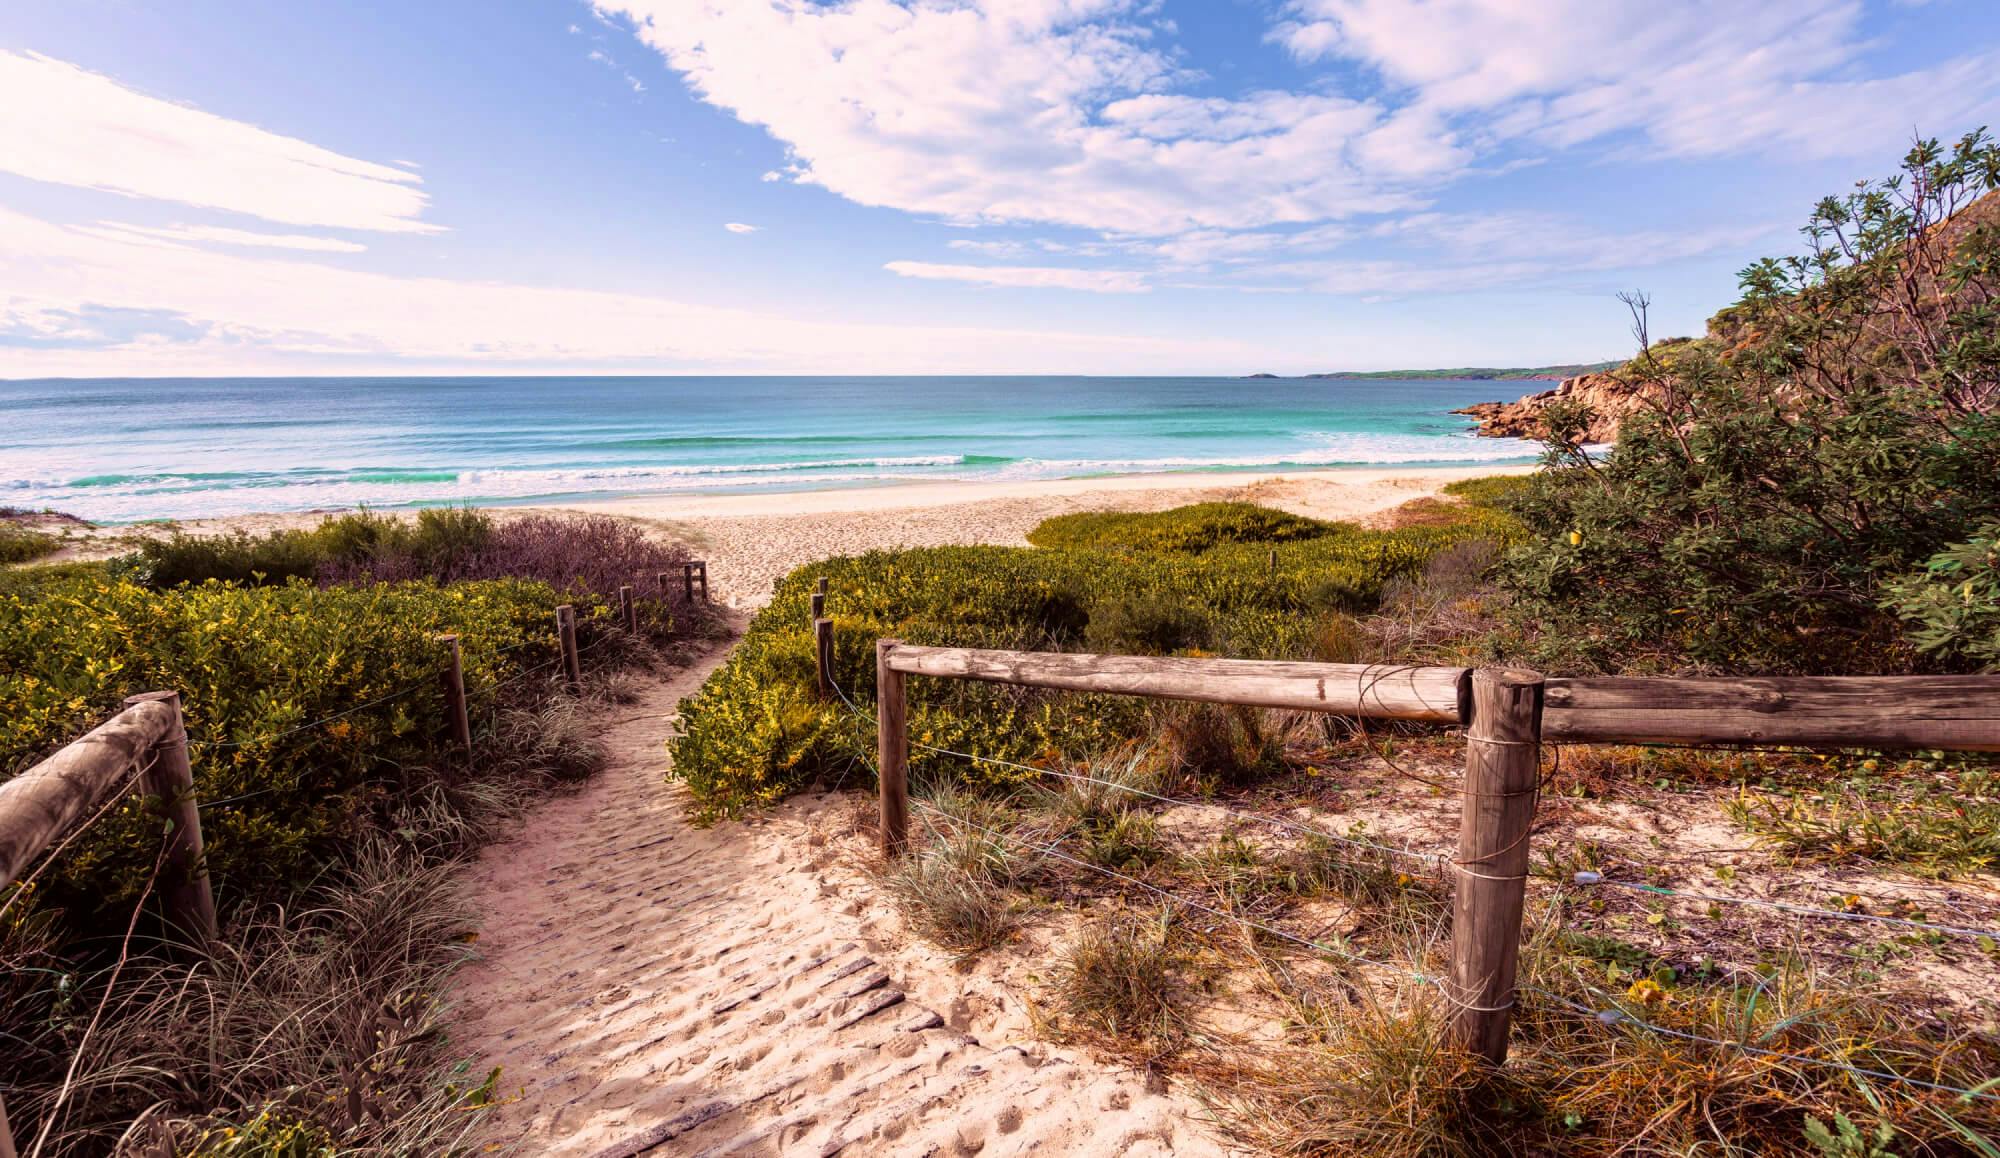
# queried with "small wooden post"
point(666, 592)
point(454, 693)
point(629, 609)
point(818, 605)
point(820, 588)
point(184, 891)
point(892, 740)
point(701, 569)
point(566, 637)
point(1502, 764)
point(1274, 562)
point(687, 581)
point(823, 654)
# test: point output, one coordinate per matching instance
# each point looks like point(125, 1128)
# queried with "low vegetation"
point(1191, 581)
point(333, 804)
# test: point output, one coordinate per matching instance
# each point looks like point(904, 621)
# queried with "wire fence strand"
point(1593, 878)
point(1613, 1016)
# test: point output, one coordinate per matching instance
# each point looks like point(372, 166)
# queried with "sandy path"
point(653, 988)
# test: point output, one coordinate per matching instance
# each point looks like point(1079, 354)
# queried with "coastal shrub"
point(757, 731)
point(1952, 605)
point(23, 545)
point(1190, 529)
point(1833, 433)
point(253, 666)
point(593, 554)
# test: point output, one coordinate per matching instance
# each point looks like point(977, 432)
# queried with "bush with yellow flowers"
point(306, 707)
point(1218, 578)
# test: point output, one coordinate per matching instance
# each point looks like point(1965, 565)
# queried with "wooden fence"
point(1506, 715)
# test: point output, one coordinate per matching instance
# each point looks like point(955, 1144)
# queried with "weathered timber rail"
point(1507, 715)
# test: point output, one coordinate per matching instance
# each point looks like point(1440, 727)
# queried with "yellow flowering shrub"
point(254, 667)
point(1196, 579)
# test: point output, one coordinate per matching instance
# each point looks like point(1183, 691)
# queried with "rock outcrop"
point(1610, 396)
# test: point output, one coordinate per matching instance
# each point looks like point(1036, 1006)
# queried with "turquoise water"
point(118, 450)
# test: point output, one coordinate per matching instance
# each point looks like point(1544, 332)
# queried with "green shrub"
point(21, 545)
point(756, 730)
point(434, 539)
point(252, 665)
point(1494, 491)
point(1833, 433)
point(1191, 529)
point(1952, 606)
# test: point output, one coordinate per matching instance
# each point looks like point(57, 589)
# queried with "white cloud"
point(219, 235)
point(1056, 111)
point(1103, 281)
point(1699, 77)
point(1457, 253)
point(62, 124)
point(75, 301)
point(739, 227)
point(1081, 112)
point(772, 175)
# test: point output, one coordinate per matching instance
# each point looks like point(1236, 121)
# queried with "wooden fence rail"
point(1507, 715)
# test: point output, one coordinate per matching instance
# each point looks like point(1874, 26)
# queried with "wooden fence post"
point(818, 605)
point(701, 568)
point(820, 587)
point(687, 581)
point(666, 591)
point(628, 609)
point(1502, 766)
point(566, 637)
point(188, 904)
point(454, 693)
point(823, 654)
point(892, 740)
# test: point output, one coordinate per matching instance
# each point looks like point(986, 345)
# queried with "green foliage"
point(1844, 1139)
point(1191, 529)
point(271, 1134)
point(435, 540)
point(1831, 435)
point(1493, 491)
point(252, 664)
point(1935, 815)
point(21, 545)
point(1952, 605)
point(756, 730)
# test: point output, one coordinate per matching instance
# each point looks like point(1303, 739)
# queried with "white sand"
point(751, 540)
point(651, 987)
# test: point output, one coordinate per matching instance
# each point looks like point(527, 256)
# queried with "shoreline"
point(750, 540)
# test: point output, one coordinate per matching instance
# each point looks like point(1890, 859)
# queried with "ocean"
point(123, 450)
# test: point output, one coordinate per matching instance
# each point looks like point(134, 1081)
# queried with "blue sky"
point(1099, 186)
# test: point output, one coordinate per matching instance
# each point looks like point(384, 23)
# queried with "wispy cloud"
point(1697, 78)
point(64, 125)
point(220, 235)
point(739, 227)
point(104, 304)
point(1102, 281)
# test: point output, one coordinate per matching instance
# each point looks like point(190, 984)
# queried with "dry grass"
point(951, 885)
point(1119, 977)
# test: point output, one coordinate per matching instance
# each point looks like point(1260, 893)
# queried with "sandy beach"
point(751, 540)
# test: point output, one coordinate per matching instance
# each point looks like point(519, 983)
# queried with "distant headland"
point(1470, 373)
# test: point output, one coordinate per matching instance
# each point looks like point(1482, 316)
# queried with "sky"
point(927, 186)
